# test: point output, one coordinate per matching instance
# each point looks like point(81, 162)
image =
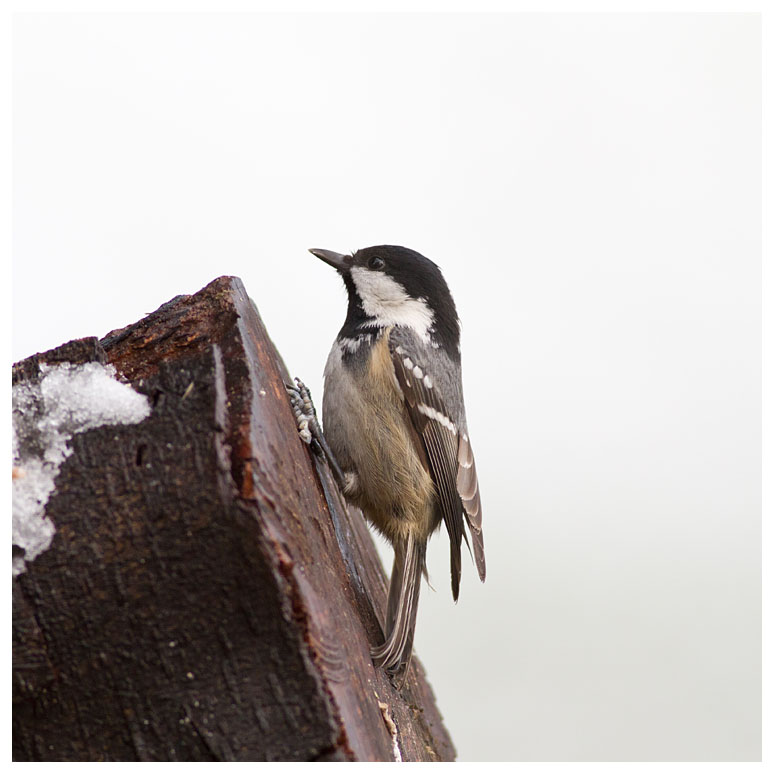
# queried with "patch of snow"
point(392, 729)
point(69, 399)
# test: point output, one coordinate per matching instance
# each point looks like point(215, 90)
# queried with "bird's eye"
point(375, 262)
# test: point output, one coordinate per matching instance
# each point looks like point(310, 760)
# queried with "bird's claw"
point(303, 410)
point(310, 431)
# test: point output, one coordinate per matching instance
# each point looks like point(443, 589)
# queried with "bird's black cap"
point(420, 277)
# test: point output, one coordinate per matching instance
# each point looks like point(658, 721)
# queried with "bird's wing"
point(447, 447)
point(468, 489)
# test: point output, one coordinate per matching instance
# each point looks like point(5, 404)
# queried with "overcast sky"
point(590, 186)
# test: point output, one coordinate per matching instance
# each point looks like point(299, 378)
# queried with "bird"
point(394, 420)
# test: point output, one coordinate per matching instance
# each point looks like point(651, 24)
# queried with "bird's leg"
point(310, 431)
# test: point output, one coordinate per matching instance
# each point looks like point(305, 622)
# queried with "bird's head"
point(388, 285)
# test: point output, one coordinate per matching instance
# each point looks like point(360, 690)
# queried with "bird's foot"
point(310, 431)
point(304, 411)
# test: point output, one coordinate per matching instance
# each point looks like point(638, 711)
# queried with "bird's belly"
point(367, 428)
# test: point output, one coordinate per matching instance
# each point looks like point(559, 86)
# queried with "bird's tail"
point(408, 567)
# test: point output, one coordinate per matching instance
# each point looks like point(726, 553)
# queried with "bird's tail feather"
point(408, 567)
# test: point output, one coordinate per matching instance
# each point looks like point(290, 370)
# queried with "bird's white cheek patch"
point(388, 303)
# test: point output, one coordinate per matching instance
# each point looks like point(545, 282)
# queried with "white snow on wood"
point(392, 729)
point(46, 415)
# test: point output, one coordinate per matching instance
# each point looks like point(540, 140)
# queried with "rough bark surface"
point(206, 596)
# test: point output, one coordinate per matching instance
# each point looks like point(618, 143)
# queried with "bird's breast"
point(369, 431)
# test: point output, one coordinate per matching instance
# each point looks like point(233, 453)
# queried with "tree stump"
point(202, 592)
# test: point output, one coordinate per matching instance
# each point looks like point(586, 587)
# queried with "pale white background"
point(590, 187)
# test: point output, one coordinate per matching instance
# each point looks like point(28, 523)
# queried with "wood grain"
point(206, 596)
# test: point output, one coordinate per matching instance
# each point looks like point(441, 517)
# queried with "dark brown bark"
point(206, 595)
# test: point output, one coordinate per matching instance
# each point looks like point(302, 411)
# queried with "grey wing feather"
point(468, 488)
point(445, 439)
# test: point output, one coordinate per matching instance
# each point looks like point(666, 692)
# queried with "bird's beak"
point(337, 260)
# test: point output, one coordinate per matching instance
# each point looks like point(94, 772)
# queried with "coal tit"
point(394, 419)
